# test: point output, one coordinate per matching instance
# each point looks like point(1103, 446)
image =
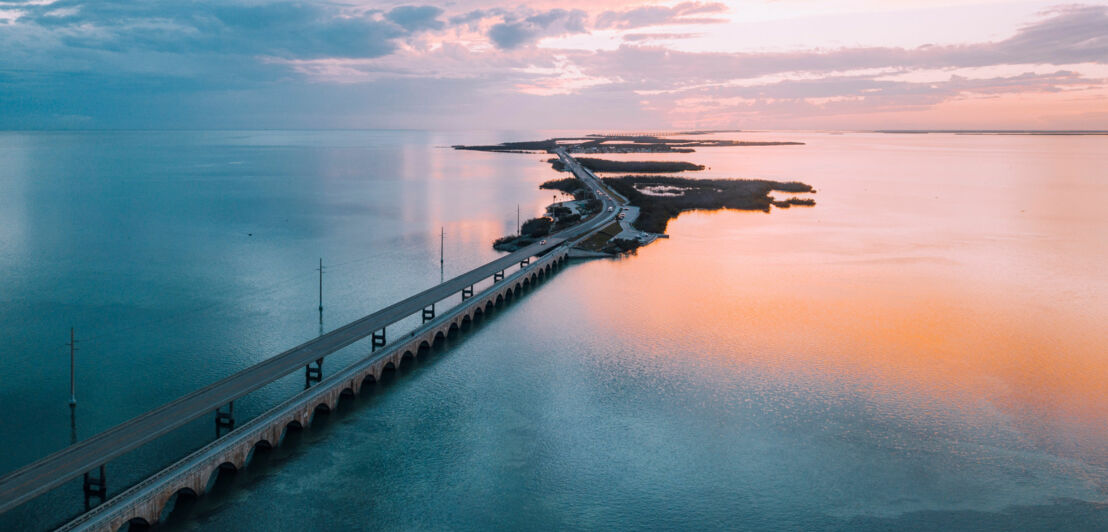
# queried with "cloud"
point(817, 99)
point(128, 64)
point(416, 18)
point(1065, 36)
point(637, 37)
point(661, 15)
point(283, 29)
point(514, 33)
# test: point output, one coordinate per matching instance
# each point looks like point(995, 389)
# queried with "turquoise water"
point(807, 369)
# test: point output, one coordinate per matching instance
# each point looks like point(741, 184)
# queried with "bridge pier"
point(313, 374)
point(148, 499)
point(467, 292)
point(429, 313)
point(225, 420)
point(498, 276)
point(95, 486)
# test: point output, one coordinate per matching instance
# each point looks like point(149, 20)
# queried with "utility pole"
point(72, 380)
point(442, 248)
point(517, 219)
point(321, 292)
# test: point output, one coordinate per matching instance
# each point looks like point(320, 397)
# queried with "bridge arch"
point(168, 502)
point(317, 410)
point(223, 468)
point(248, 457)
point(136, 524)
point(240, 456)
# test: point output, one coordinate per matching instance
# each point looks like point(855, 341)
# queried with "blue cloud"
point(282, 29)
point(513, 33)
point(416, 18)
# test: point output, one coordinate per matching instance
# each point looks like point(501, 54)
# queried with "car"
point(609, 209)
point(543, 242)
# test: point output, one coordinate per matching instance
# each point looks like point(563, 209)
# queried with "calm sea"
point(923, 349)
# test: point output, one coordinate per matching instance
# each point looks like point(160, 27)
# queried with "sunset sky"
point(599, 64)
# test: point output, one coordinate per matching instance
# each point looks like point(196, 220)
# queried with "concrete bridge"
point(89, 456)
point(145, 502)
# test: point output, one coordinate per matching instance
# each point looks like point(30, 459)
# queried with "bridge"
point(145, 501)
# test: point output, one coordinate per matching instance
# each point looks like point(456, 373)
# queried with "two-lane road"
point(47, 473)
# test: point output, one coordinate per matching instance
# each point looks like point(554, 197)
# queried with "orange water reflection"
point(976, 290)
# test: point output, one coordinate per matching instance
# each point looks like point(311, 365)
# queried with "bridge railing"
point(173, 475)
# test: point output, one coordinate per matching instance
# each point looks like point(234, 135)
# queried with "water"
point(921, 349)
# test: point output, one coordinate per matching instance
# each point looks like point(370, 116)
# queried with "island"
point(661, 199)
point(649, 200)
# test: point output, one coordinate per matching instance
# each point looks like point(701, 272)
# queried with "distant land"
point(617, 144)
point(992, 132)
point(651, 200)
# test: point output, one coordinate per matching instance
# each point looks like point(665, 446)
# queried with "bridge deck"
point(47, 473)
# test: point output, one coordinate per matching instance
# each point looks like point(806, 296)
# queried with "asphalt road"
point(47, 473)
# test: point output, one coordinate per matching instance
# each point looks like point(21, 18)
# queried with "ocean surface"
point(923, 349)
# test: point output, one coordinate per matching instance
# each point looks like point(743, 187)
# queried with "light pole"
point(72, 378)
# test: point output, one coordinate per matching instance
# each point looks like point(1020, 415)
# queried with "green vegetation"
point(709, 194)
point(785, 204)
point(531, 231)
point(621, 245)
point(574, 186)
point(569, 185)
point(512, 242)
point(599, 240)
point(604, 165)
point(559, 212)
point(536, 227)
point(671, 197)
point(516, 147)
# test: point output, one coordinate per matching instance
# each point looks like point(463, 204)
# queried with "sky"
point(572, 64)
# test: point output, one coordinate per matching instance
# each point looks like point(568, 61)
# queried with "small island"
point(661, 199)
point(649, 201)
